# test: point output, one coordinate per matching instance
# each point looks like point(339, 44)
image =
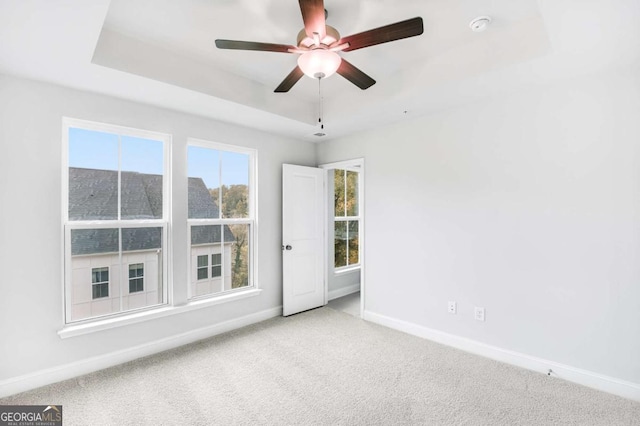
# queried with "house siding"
point(84, 306)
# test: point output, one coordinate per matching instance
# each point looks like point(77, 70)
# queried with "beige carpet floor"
point(325, 367)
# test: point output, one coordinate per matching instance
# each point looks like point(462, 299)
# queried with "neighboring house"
point(98, 272)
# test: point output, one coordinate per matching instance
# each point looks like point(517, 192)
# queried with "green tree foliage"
point(345, 193)
point(235, 205)
point(354, 255)
point(234, 200)
point(340, 244)
point(352, 194)
point(338, 192)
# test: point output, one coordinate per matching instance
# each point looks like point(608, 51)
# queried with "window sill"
point(346, 269)
point(73, 330)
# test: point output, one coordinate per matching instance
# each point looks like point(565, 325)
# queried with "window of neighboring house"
point(222, 219)
point(99, 283)
point(346, 220)
point(216, 265)
point(203, 267)
point(136, 277)
point(116, 214)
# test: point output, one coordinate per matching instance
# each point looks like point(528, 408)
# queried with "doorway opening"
point(345, 235)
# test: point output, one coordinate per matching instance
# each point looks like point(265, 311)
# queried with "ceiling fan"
point(318, 44)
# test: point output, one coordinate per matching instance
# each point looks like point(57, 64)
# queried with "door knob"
point(288, 247)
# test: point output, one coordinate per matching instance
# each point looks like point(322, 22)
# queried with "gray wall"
point(527, 205)
point(30, 222)
point(340, 284)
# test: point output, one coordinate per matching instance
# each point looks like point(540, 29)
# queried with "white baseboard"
point(583, 377)
point(48, 376)
point(344, 291)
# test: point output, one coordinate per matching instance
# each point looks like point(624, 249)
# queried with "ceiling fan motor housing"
point(304, 41)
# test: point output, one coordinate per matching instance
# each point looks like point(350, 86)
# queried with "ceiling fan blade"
point(399, 30)
point(290, 80)
point(354, 75)
point(313, 17)
point(253, 45)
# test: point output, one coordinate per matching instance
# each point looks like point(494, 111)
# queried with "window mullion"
point(119, 190)
point(347, 222)
point(121, 269)
point(120, 274)
point(220, 215)
point(223, 273)
point(345, 198)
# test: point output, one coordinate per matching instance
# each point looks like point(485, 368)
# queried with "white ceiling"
point(162, 52)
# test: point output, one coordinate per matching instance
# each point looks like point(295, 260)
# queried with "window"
point(116, 215)
point(116, 223)
point(136, 277)
point(99, 283)
point(347, 219)
point(203, 267)
point(216, 265)
point(221, 218)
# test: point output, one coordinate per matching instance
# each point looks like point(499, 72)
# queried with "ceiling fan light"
point(319, 63)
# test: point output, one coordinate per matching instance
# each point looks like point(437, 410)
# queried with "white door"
point(303, 255)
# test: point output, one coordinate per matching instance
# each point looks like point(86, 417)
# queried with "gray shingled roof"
point(100, 241)
point(93, 195)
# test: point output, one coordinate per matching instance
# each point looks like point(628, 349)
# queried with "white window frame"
point(251, 220)
point(347, 219)
point(163, 223)
point(175, 295)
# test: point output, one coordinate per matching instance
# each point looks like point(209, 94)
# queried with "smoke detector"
point(480, 24)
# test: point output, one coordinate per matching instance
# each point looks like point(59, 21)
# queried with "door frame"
point(356, 164)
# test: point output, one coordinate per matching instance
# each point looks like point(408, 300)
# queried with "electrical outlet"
point(452, 308)
point(479, 312)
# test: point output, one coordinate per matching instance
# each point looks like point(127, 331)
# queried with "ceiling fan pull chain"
point(320, 101)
